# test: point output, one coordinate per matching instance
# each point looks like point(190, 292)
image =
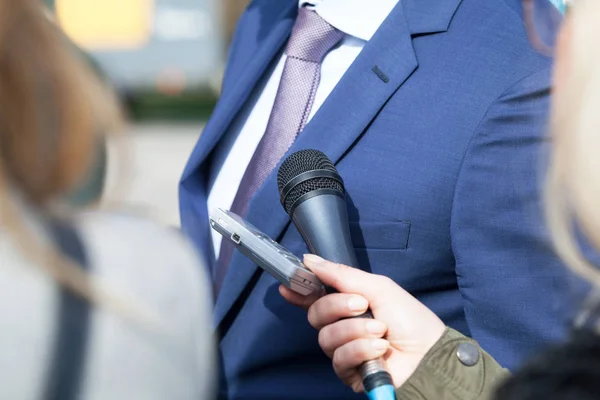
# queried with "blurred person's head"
point(51, 106)
point(565, 372)
point(51, 111)
point(573, 193)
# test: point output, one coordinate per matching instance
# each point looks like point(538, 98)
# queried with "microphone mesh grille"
point(299, 163)
point(308, 186)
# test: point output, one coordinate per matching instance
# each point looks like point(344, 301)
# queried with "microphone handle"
point(324, 226)
point(373, 372)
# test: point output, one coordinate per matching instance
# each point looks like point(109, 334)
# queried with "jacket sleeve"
point(443, 376)
point(517, 294)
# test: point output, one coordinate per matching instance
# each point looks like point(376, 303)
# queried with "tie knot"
point(312, 37)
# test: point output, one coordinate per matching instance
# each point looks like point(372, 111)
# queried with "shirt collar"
point(358, 18)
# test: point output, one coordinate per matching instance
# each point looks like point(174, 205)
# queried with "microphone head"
point(305, 174)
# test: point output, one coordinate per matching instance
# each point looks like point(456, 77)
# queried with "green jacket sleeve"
point(455, 368)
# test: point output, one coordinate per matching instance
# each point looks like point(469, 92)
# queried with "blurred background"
point(165, 60)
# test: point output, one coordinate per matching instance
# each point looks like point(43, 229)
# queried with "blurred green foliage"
point(189, 106)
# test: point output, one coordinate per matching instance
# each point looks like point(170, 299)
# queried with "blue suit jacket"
point(442, 161)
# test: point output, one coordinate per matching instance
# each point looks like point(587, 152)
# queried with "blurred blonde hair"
point(573, 184)
point(52, 108)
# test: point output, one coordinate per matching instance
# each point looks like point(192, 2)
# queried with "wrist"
point(414, 362)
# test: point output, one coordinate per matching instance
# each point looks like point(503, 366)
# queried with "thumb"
point(347, 279)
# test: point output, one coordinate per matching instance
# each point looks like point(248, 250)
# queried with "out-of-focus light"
point(106, 24)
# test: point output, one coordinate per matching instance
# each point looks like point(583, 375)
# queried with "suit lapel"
point(384, 64)
point(231, 102)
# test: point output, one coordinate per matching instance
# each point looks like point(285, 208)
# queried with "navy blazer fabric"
point(442, 158)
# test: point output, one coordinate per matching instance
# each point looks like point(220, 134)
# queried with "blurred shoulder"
point(156, 269)
point(156, 263)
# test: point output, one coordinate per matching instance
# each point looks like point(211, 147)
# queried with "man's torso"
point(399, 145)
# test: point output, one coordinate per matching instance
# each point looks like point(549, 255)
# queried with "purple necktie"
point(312, 38)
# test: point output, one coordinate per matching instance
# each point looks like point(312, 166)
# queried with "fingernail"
point(313, 260)
point(380, 344)
point(376, 327)
point(358, 303)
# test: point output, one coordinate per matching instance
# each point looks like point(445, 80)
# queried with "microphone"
point(312, 193)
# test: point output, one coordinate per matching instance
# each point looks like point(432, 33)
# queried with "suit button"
point(468, 354)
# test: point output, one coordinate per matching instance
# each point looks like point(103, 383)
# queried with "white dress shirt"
point(359, 21)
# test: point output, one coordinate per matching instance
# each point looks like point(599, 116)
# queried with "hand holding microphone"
point(402, 332)
point(313, 194)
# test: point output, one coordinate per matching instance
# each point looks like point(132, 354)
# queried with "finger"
point(351, 280)
point(333, 336)
point(297, 299)
point(347, 358)
point(333, 307)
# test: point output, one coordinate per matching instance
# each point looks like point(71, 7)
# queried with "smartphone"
point(265, 252)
